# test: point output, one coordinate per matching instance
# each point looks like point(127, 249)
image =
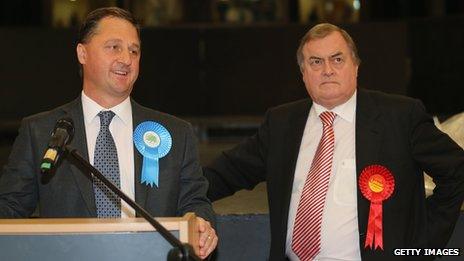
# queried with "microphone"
point(62, 134)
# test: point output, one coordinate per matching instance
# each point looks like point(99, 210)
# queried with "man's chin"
point(118, 93)
point(330, 100)
point(121, 89)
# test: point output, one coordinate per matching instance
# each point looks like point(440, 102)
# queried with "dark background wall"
point(192, 71)
point(437, 67)
point(235, 70)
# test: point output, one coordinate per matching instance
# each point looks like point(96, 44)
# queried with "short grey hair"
point(320, 31)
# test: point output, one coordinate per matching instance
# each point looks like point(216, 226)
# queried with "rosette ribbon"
point(153, 141)
point(376, 184)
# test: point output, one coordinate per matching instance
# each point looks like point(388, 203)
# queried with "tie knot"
point(327, 118)
point(105, 118)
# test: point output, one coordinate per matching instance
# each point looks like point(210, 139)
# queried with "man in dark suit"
point(105, 117)
point(344, 169)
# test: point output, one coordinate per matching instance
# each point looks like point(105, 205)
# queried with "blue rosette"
point(153, 141)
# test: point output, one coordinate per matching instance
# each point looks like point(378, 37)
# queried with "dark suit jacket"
point(392, 131)
point(69, 193)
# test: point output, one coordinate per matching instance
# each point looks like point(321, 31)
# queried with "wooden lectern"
point(91, 238)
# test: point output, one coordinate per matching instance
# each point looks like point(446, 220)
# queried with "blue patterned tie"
point(106, 161)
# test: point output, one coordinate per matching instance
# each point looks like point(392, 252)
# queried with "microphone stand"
point(179, 252)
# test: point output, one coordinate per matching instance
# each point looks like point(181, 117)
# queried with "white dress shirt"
point(339, 229)
point(122, 122)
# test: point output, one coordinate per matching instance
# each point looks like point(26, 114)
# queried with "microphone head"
point(61, 136)
point(67, 125)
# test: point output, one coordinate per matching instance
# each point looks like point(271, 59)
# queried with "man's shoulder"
point(289, 107)
point(386, 103)
point(396, 108)
point(147, 114)
point(385, 99)
point(51, 116)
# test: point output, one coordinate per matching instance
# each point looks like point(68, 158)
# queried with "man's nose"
point(327, 70)
point(125, 57)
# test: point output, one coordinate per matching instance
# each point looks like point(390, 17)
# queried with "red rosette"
point(376, 184)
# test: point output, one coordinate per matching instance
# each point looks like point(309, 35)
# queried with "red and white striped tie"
point(306, 240)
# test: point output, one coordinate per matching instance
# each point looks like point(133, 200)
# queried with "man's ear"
point(81, 53)
point(302, 71)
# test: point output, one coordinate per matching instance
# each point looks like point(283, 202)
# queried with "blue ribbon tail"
point(150, 170)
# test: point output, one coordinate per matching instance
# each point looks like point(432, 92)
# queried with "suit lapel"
point(294, 134)
point(141, 190)
point(368, 142)
point(79, 142)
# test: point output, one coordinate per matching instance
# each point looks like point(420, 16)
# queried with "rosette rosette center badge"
point(153, 141)
point(376, 184)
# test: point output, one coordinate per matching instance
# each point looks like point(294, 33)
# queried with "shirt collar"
point(91, 109)
point(345, 111)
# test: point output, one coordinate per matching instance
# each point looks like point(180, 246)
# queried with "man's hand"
point(208, 238)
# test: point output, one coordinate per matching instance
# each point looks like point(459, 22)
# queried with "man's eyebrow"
point(331, 56)
point(336, 54)
point(113, 40)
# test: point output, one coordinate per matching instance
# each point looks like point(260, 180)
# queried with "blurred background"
point(221, 63)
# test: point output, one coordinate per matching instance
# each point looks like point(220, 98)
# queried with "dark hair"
point(320, 31)
point(89, 26)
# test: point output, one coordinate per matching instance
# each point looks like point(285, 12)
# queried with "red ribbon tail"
point(378, 227)
point(370, 229)
point(374, 238)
